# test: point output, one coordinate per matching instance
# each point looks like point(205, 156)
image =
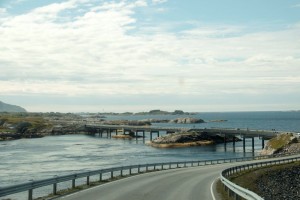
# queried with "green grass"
point(37, 122)
point(280, 141)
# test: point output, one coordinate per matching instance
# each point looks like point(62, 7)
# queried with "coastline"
point(177, 144)
point(122, 137)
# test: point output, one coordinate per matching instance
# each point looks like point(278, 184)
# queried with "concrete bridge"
point(140, 131)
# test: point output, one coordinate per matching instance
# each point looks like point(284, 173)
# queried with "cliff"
point(10, 108)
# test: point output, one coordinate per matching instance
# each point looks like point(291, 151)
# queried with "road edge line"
point(211, 189)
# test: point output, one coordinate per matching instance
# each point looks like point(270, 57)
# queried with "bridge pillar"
point(252, 144)
point(136, 135)
point(143, 135)
point(150, 135)
point(263, 142)
point(244, 143)
point(233, 143)
point(225, 147)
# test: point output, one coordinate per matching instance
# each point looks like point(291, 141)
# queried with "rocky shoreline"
point(186, 139)
point(34, 125)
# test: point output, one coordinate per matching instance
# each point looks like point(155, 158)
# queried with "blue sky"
point(137, 55)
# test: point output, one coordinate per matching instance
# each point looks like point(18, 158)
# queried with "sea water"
point(25, 160)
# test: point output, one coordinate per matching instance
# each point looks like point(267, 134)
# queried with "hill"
point(4, 107)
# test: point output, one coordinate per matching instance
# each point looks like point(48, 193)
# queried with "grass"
point(37, 122)
point(221, 191)
point(280, 141)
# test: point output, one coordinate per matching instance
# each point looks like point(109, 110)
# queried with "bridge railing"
point(104, 175)
point(237, 191)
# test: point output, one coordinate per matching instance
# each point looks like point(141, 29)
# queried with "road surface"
point(193, 183)
point(176, 184)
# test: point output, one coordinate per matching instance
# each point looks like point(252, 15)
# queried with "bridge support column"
point(252, 144)
point(225, 147)
point(244, 144)
point(233, 143)
point(263, 142)
point(143, 135)
point(150, 135)
point(136, 135)
point(30, 194)
point(54, 189)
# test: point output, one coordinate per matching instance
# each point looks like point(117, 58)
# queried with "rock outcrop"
point(282, 143)
point(185, 139)
point(187, 120)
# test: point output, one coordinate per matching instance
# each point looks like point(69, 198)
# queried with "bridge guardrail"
point(238, 191)
point(142, 168)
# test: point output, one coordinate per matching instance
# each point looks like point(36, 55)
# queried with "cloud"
point(296, 6)
point(3, 11)
point(102, 51)
point(159, 1)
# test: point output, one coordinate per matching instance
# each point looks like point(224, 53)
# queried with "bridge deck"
point(266, 134)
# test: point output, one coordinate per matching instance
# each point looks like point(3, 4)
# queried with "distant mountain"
point(10, 108)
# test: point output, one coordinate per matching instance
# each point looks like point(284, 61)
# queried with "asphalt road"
point(193, 183)
point(177, 184)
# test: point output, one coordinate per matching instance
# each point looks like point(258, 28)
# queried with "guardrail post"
point(111, 174)
point(100, 177)
point(30, 194)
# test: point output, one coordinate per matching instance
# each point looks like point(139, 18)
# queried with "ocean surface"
point(34, 159)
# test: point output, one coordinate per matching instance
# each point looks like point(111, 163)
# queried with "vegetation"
point(280, 141)
point(22, 122)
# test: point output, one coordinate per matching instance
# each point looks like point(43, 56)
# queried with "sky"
point(139, 55)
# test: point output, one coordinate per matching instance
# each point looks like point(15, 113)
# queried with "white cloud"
point(159, 1)
point(3, 11)
point(99, 52)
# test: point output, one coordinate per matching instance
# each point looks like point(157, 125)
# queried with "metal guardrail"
point(124, 170)
point(238, 191)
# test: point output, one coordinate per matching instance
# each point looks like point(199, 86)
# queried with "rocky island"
point(186, 139)
point(282, 143)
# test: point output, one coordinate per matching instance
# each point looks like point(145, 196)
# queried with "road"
point(193, 183)
point(177, 184)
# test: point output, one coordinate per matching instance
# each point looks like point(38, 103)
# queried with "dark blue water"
point(33, 159)
point(281, 121)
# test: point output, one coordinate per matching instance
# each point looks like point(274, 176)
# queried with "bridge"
point(227, 133)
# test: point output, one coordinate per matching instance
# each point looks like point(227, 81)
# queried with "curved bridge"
point(141, 131)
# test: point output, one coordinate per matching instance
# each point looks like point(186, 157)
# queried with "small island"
point(187, 139)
